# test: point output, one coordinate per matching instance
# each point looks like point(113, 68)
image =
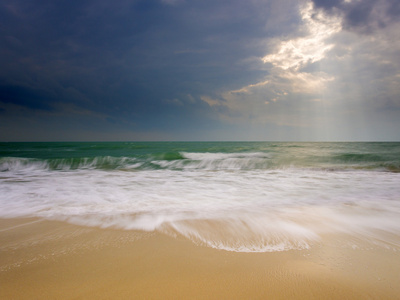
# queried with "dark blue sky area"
point(199, 70)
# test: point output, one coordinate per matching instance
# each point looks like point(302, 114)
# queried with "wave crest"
point(66, 164)
point(245, 234)
point(201, 161)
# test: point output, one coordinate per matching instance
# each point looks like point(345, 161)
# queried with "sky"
point(196, 70)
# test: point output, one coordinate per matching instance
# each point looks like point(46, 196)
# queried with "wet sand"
point(55, 260)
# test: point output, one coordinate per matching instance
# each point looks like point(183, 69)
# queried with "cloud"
point(286, 76)
point(323, 80)
point(203, 66)
point(172, 2)
point(210, 101)
point(26, 97)
point(298, 52)
point(364, 16)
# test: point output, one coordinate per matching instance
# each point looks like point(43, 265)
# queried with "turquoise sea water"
point(238, 196)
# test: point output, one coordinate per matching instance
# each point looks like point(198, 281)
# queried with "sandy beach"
point(55, 260)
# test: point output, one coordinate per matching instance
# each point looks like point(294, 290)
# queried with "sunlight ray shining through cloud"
point(296, 53)
point(287, 74)
point(183, 70)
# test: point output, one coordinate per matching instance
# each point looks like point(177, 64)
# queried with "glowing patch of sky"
point(295, 53)
point(286, 76)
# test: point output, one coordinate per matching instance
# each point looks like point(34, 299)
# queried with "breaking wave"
point(246, 197)
point(201, 161)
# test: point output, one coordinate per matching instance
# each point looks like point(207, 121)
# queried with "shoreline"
point(56, 260)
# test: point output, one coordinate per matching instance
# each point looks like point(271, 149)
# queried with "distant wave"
point(67, 164)
point(203, 161)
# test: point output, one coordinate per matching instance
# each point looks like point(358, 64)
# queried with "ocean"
point(235, 196)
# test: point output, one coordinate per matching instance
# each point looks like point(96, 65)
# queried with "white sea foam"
point(217, 161)
point(220, 156)
point(257, 210)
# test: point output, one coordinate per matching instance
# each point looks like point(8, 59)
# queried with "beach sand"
point(42, 259)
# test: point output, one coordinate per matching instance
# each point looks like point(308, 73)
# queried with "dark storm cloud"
point(327, 4)
point(131, 64)
point(185, 69)
point(25, 97)
point(363, 15)
point(126, 57)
